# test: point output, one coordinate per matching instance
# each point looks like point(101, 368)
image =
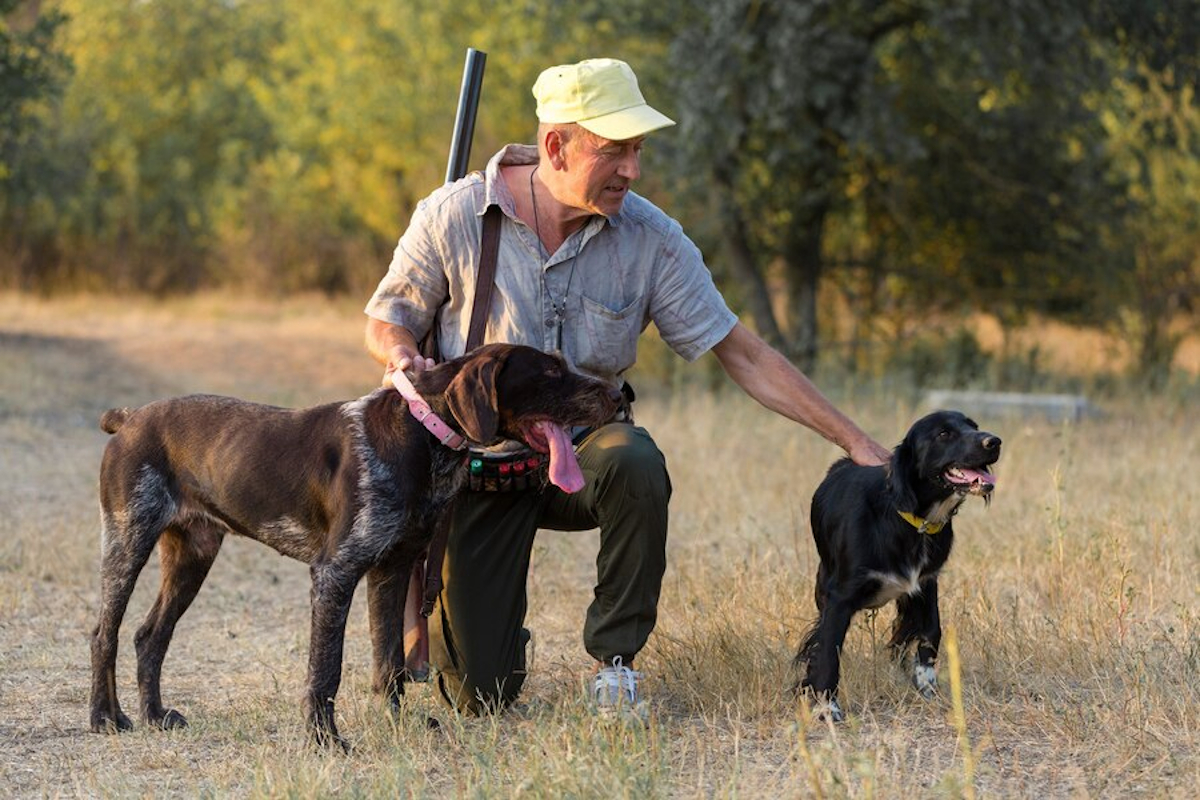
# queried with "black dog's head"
point(942, 454)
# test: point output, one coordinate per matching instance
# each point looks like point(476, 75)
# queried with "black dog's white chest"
point(894, 584)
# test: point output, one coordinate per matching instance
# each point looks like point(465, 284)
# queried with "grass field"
point(1072, 600)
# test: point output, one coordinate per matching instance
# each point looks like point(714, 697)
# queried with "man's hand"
point(395, 348)
point(404, 358)
point(869, 453)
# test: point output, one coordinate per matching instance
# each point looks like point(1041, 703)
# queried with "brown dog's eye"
point(554, 372)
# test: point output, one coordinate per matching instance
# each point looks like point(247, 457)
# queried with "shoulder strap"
point(485, 280)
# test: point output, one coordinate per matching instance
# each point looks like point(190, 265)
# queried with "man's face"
point(600, 171)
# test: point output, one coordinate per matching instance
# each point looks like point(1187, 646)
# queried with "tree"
point(1154, 126)
point(32, 72)
point(31, 69)
point(953, 145)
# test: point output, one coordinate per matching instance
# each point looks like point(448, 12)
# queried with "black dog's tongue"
point(975, 479)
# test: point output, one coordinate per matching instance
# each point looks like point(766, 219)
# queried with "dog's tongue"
point(968, 476)
point(564, 469)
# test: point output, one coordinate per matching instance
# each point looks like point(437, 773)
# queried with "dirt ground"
point(1073, 601)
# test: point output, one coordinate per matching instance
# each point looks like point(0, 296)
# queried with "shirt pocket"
point(606, 343)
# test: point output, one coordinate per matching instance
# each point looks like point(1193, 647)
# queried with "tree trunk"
point(804, 265)
point(741, 259)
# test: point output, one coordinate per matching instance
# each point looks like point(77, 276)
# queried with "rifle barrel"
point(464, 120)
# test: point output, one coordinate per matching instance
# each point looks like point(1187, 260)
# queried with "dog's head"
point(944, 453)
point(516, 392)
point(503, 391)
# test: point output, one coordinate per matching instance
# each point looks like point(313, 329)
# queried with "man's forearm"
point(773, 381)
point(388, 343)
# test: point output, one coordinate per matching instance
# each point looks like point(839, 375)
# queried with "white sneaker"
point(616, 690)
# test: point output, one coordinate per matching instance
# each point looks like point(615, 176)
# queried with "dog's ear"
point(900, 477)
point(471, 397)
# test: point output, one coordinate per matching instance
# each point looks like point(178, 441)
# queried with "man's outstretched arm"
point(768, 377)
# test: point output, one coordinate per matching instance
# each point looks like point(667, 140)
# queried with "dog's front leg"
point(929, 640)
point(387, 589)
point(824, 655)
point(332, 591)
point(917, 621)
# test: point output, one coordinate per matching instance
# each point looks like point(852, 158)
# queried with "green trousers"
point(477, 638)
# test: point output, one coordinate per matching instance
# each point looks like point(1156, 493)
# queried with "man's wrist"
point(400, 357)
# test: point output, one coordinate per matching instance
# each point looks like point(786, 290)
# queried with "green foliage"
point(29, 70)
point(276, 146)
point(955, 146)
point(1018, 158)
point(1153, 125)
point(32, 70)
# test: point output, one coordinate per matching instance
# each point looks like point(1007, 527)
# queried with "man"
point(584, 266)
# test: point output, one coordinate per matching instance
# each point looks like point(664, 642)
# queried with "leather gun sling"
point(426, 581)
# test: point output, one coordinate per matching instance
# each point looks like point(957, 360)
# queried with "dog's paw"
point(168, 720)
point(828, 711)
point(330, 740)
point(924, 679)
point(104, 723)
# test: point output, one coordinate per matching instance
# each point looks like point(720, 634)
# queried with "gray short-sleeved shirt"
point(618, 274)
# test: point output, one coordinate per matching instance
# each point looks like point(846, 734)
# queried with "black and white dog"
point(883, 533)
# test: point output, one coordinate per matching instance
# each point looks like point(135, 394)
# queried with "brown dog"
point(351, 489)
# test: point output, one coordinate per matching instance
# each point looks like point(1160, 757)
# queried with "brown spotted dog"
point(352, 489)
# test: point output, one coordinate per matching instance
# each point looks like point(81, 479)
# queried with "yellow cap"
point(600, 94)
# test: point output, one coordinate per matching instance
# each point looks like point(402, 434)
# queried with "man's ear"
point(900, 477)
point(555, 146)
point(471, 397)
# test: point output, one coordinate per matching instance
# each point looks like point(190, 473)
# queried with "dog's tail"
point(807, 652)
point(112, 420)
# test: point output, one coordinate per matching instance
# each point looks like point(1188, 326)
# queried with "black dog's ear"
point(471, 397)
point(900, 477)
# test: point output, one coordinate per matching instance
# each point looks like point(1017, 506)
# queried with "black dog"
point(882, 534)
point(351, 489)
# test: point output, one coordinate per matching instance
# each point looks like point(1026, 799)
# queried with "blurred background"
point(982, 193)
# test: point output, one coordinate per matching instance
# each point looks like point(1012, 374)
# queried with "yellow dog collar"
point(921, 524)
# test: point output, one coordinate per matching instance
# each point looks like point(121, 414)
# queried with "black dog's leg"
point(924, 673)
point(186, 557)
point(387, 589)
point(823, 652)
point(820, 590)
point(917, 620)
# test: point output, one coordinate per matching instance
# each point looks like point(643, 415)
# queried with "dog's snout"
point(990, 442)
point(614, 395)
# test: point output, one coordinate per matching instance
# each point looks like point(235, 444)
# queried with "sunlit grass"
point(1073, 601)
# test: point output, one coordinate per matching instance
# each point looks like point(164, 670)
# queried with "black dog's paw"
point(924, 680)
point(828, 710)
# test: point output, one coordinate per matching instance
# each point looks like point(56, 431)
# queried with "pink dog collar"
point(424, 414)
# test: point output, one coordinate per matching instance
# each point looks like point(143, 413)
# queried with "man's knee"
point(626, 458)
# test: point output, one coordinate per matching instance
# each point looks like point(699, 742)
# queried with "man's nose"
point(630, 167)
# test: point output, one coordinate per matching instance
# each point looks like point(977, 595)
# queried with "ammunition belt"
point(513, 472)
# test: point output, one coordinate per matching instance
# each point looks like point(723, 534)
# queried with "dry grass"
point(1073, 601)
